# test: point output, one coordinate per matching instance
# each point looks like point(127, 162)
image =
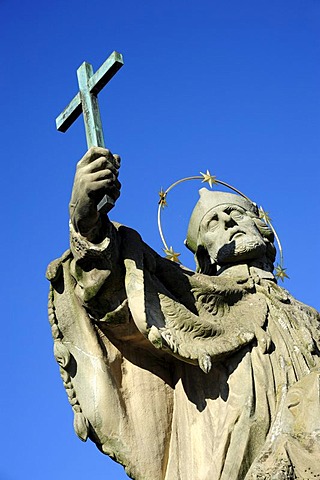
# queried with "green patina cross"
point(90, 84)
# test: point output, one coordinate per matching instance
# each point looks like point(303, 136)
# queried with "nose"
point(229, 222)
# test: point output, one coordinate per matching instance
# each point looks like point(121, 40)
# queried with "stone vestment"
point(182, 376)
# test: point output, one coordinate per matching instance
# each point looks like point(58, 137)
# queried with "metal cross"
point(90, 84)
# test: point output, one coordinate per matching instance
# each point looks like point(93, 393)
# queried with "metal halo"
point(212, 180)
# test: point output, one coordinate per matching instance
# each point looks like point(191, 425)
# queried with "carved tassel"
point(81, 426)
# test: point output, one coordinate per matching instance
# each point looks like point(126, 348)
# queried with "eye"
point(236, 215)
point(213, 222)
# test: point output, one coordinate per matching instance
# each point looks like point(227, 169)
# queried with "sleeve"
point(93, 263)
point(112, 382)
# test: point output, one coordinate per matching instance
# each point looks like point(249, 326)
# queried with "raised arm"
point(96, 176)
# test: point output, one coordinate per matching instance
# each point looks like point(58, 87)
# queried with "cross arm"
point(95, 84)
point(69, 114)
point(107, 70)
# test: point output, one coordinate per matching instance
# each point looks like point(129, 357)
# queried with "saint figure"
point(183, 375)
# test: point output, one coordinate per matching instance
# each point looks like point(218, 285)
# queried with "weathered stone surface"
point(207, 375)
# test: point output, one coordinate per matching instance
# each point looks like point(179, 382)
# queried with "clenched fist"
point(96, 176)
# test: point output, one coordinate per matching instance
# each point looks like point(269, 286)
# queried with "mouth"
point(236, 234)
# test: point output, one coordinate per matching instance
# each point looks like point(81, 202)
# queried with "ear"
point(203, 262)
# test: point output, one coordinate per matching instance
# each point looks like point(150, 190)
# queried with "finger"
point(105, 174)
point(92, 154)
point(105, 183)
point(104, 187)
point(99, 164)
point(118, 160)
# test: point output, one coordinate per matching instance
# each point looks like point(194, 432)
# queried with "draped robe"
point(183, 376)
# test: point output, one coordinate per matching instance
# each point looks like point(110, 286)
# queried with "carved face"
point(230, 235)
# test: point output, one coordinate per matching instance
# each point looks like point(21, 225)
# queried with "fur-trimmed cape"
point(179, 375)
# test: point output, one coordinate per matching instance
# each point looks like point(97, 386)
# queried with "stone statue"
point(182, 375)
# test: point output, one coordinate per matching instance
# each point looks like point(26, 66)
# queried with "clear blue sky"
point(232, 86)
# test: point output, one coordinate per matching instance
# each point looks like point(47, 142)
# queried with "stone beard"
point(241, 250)
point(207, 375)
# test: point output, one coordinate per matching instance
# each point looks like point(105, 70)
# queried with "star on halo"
point(172, 255)
point(264, 215)
point(280, 273)
point(211, 179)
point(163, 198)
